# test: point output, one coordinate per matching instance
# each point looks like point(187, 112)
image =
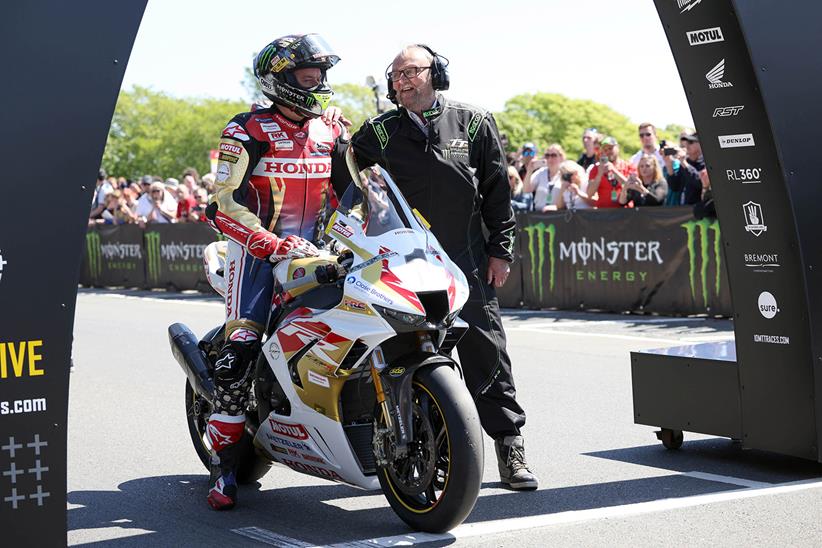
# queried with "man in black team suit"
point(447, 159)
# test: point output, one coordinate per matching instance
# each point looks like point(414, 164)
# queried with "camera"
point(669, 151)
point(567, 177)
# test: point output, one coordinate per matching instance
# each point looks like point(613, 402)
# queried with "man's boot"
point(513, 470)
point(224, 433)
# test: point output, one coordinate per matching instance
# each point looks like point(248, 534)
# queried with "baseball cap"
point(146, 180)
point(690, 137)
point(609, 141)
point(171, 181)
point(101, 174)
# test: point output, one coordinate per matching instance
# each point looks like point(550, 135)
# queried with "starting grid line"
point(495, 527)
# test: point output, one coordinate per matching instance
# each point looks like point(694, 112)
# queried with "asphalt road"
point(135, 480)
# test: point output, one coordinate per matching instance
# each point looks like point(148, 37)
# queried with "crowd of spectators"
point(152, 199)
point(659, 174)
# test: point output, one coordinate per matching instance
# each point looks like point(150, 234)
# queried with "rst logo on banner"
point(721, 112)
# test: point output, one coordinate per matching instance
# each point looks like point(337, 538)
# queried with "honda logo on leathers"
point(295, 431)
point(310, 168)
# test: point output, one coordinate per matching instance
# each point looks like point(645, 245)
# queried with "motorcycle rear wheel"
point(250, 466)
point(435, 486)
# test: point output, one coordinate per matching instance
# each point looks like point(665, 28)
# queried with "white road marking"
point(687, 339)
point(468, 530)
point(729, 480)
point(268, 537)
point(218, 304)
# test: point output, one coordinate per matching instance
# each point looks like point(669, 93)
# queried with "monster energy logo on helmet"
point(535, 237)
point(95, 256)
point(698, 231)
point(154, 254)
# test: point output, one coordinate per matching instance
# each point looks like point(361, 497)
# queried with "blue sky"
point(611, 52)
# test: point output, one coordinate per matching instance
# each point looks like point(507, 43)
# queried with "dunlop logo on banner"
point(95, 255)
point(153, 253)
point(697, 232)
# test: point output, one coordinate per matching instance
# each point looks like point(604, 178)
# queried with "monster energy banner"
point(174, 255)
point(167, 256)
point(114, 256)
point(652, 260)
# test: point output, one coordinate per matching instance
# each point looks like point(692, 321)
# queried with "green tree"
point(154, 133)
point(357, 103)
point(546, 118)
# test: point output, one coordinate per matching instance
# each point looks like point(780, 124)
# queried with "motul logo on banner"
point(310, 168)
point(295, 431)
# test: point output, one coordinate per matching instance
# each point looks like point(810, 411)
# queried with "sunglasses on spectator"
point(408, 72)
point(156, 191)
point(552, 155)
point(645, 134)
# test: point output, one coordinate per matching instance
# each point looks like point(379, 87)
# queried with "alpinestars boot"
point(223, 495)
point(513, 470)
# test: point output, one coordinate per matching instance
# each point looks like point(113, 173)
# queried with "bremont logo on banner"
point(705, 36)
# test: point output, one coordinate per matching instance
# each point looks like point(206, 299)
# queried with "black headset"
point(440, 79)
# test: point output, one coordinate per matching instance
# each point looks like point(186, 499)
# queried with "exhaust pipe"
point(186, 351)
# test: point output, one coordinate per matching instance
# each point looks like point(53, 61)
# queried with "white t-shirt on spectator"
point(546, 191)
point(100, 197)
point(145, 205)
point(636, 157)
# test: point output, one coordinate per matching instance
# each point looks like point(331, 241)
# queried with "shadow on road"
point(718, 456)
point(173, 508)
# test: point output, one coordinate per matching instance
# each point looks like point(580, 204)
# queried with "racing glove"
point(265, 245)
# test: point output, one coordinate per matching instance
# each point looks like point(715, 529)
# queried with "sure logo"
point(767, 305)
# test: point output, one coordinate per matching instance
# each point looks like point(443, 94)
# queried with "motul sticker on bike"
point(295, 431)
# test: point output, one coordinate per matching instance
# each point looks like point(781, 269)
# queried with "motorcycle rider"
point(273, 185)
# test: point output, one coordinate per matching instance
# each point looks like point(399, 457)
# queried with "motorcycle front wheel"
point(435, 485)
point(250, 466)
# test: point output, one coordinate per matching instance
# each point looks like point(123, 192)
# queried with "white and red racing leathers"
point(273, 180)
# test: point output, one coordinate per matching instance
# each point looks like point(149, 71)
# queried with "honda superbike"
point(354, 382)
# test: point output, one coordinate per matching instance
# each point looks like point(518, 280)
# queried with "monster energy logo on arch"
point(698, 231)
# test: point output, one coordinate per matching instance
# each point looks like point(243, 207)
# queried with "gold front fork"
point(377, 365)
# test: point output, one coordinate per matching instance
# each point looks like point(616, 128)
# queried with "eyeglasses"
point(156, 191)
point(645, 134)
point(408, 72)
point(552, 155)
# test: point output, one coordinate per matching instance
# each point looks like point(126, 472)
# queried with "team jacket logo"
point(232, 149)
point(716, 75)
point(754, 220)
point(235, 131)
point(295, 431)
point(705, 36)
point(310, 168)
